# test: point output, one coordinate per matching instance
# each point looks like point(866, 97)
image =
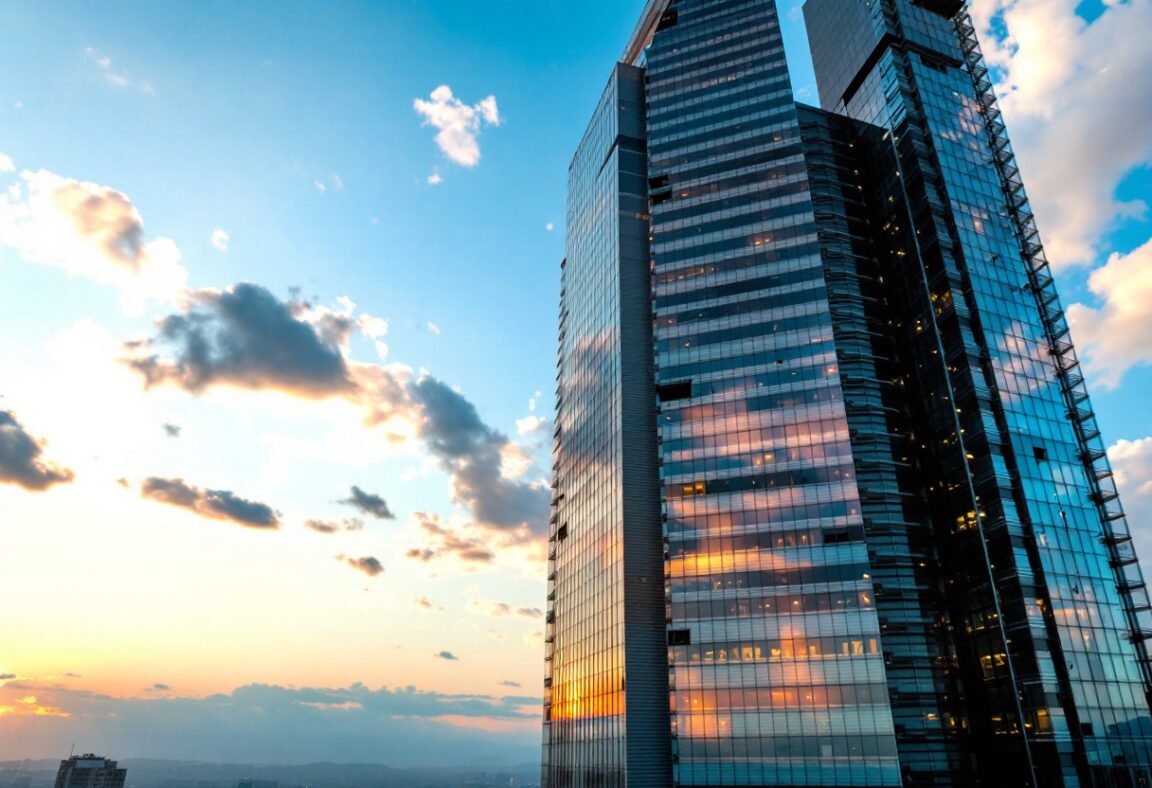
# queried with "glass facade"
point(605, 627)
point(830, 507)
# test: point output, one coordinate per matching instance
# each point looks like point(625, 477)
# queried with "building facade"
point(90, 771)
point(830, 506)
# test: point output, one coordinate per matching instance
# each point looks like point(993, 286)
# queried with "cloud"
point(6, 164)
point(447, 655)
point(504, 610)
point(332, 527)
point(7, 676)
point(446, 542)
point(435, 179)
point(368, 565)
point(158, 688)
point(1114, 337)
point(531, 425)
point(427, 604)
point(369, 504)
point(458, 123)
point(210, 504)
point(244, 337)
point(171, 430)
point(514, 684)
point(90, 231)
point(550, 227)
point(1064, 85)
point(403, 727)
point(113, 78)
point(220, 240)
point(471, 451)
point(20, 461)
point(1132, 462)
point(432, 328)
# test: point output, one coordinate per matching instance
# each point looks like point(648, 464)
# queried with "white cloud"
point(91, 231)
point(432, 328)
point(1132, 461)
point(1078, 103)
point(550, 227)
point(6, 164)
point(458, 123)
point(320, 187)
point(1115, 336)
point(220, 240)
point(372, 327)
point(435, 179)
point(530, 425)
point(337, 181)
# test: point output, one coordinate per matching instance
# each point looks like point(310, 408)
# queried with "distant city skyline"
point(324, 539)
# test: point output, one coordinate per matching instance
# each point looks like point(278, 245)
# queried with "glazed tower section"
point(1046, 603)
point(775, 662)
point(606, 679)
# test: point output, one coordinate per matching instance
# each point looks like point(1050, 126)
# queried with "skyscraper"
point(831, 506)
point(90, 771)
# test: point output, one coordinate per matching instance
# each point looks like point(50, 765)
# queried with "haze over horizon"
point(279, 306)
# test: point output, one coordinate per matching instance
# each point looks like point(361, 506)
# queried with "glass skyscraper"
point(830, 504)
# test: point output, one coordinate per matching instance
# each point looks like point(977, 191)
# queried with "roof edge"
point(645, 28)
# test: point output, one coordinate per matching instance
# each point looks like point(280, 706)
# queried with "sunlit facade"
point(891, 547)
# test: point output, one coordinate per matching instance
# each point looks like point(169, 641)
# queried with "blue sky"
point(278, 144)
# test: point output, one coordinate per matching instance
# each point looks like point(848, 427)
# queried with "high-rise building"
point(830, 503)
point(90, 771)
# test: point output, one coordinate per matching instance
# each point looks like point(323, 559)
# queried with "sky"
point(278, 295)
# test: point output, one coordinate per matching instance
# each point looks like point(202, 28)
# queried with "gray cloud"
point(272, 724)
point(20, 462)
point(515, 684)
point(447, 655)
point(171, 430)
point(471, 451)
point(158, 688)
point(369, 504)
point(211, 504)
point(368, 565)
point(426, 603)
point(7, 676)
point(245, 337)
point(332, 527)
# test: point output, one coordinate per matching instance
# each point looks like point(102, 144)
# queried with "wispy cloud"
point(447, 655)
point(220, 240)
point(487, 607)
point(443, 541)
point(333, 526)
point(115, 77)
point(6, 163)
point(20, 458)
point(458, 123)
point(210, 504)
